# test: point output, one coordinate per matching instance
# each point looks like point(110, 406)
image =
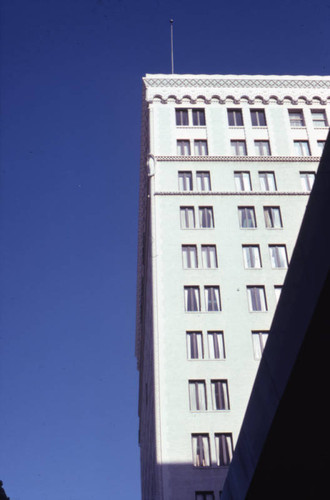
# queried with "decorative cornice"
point(229, 81)
point(232, 193)
point(235, 88)
point(296, 159)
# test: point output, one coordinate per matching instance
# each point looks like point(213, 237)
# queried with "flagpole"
point(172, 55)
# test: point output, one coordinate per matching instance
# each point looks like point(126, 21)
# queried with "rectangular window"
point(189, 256)
point(200, 148)
point(262, 148)
point(181, 117)
point(187, 217)
point(203, 181)
point(320, 145)
point(183, 147)
point(216, 345)
point(277, 290)
point(212, 298)
point(278, 256)
point(206, 219)
point(192, 298)
point(197, 395)
point(204, 495)
point(201, 450)
point(267, 181)
point(301, 148)
point(257, 298)
point(185, 181)
point(247, 218)
point(198, 117)
point(209, 256)
point(238, 148)
point(296, 118)
point(273, 217)
point(220, 396)
point(259, 340)
point(251, 255)
point(258, 118)
point(242, 181)
point(224, 449)
point(195, 345)
point(319, 118)
point(235, 117)
point(307, 180)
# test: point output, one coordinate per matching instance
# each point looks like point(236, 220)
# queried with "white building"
point(227, 164)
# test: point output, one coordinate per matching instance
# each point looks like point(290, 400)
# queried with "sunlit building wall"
point(227, 165)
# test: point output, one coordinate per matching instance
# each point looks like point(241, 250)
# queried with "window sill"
point(206, 359)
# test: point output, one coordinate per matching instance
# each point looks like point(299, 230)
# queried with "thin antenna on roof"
point(172, 56)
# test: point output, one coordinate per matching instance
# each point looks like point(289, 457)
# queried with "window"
point(320, 145)
point(212, 298)
point(197, 395)
point(198, 117)
point(204, 495)
point(183, 147)
point(235, 117)
point(267, 181)
point(262, 148)
point(301, 148)
point(251, 255)
point(277, 290)
point(259, 340)
point(238, 148)
point(189, 256)
point(209, 256)
point(203, 181)
point(258, 118)
point(319, 118)
point(296, 118)
point(192, 298)
point(185, 181)
point(224, 449)
point(257, 298)
point(181, 117)
point(201, 450)
point(242, 181)
point(278, 256)
point(247, 218)
point(220, 397)
point(206, 219)
point(187, 217)
point(307, 180)
point(195, 345)
point(216, 345)
point(200, 148)
point(273, 217)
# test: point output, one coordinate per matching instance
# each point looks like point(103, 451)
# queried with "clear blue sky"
point(71, 104)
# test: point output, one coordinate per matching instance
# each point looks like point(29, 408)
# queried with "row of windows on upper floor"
point(267, 181)
point(246, 217)
point(199, 396)
point(223, 450)
point(238, 147)
point(251, 256)
point(196, 117)
point(215, 342)
point(212, 300)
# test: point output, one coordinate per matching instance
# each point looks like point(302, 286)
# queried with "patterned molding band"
point(299, 159)
point(236, 83)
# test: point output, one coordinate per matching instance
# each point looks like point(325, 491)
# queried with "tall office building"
point(227, 165)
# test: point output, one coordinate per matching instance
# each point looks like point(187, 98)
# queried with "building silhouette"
point(227, 166)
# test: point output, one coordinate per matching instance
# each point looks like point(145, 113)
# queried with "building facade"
point(227, 165)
